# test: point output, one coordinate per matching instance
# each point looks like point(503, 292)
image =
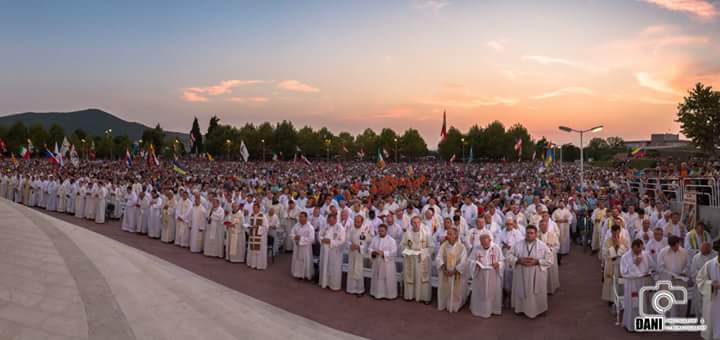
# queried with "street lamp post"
point(582, 156)
point(227, 149)
point(462, 142)
point(262, 141)
point(327, 149)
point(108, 132)
point(82, 141)
point(396, 150)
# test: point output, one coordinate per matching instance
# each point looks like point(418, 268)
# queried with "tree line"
point(283, 141)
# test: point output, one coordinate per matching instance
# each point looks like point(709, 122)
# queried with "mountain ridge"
point(93, 121)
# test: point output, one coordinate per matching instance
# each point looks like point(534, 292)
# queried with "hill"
point(93, 121)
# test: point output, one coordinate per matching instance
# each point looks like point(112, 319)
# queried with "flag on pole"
point(24, 152)
point(304, 159)
point(549, 156)
point(179, 168)
point(210, 157)
point(381, 161)
point(518, 146)
point(91, 154)
point(385, 153)
point(74, 159)
point(30, 146)
point(471, 156)
point(3, 147)
point(58, 155)
point(274, 157)
point(128, 158)
point(244, 151)
point(443, 131)
point(192, 140)
point(152, 157)
point(345, 149)
point(51, 157)
point(361, 154)
point(65, 147)
point(12, 158)
point(534, 154)
point(452, 159)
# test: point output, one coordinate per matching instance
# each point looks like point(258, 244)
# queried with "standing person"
point(382, 249)
point(168, 218)
point(130, 214)
point(215, 236)
point(673, 264)
point(695, 238)
point(450, 263)
point(531, 259)
point(154, 220)
point(332, 240)
point(303, 236)
point(614, 248)
point(706, 254)
point(358, 237)
point(552, 241)
point(198, 223)
point(257, 241)
point(635, 267)
point(235, 243)
point(80, 201)
point(562, 217)
point(143, 212)
point(182, 220)
point(485, 265)
point(289, 221)
point(416, 252)
point(597, 217)
point(708, 280)
point(101, 194)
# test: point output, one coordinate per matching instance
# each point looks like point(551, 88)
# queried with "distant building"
point(660, 141)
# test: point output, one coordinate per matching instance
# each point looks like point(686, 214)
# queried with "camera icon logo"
point(663, 296)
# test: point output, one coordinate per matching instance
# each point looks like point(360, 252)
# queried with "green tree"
point(17, 135)
point(387, 141)
point(368, 142)
point(570, 153)
point(286, 139)
point(154, 137)
point(598, 149)
point(514, 133)
point(412, 145)
point(55, 135)
point(499, 145)
point(699, 118)
point(38, 135)
point(195, 133)
point(451, 145)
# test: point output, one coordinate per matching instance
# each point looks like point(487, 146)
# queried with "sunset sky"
point(349, 65)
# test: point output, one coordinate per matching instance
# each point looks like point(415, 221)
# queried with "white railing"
point(673, 188)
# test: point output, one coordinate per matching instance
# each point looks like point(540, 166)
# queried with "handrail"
point(675, 187)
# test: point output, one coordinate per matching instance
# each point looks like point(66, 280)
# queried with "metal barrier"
point(673, 188)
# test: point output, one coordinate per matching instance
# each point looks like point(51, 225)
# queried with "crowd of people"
point(487, 235)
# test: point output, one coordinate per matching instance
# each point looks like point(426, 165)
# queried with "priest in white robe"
point(155, 219)
point(257, 239)
point(215, 234)
point(706, 254)
point(673, 263)
point(485, 265)
point(303, 236)
point(708, 281)
point(531, 259)
point(562, 217)
point(358, 237)
point(100, 202)
point(382, 250)
point(635, 269)
point(235, 242)
point(613, 249)
point(332, 241)
point(90, 200)
point(450, 263)
point(130, 214)
point(143, 213)
point(198, 223)
point(416, 252)
point(552, 241)
point(167, 218)
point(182, 220)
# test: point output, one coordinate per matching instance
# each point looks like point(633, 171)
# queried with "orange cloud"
point(495, 45)
point(256, 100)
point(651, 81)
point(545, 60)
point(296, 86)
point(200, 94)
point(700, 8)
point(564, 92)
